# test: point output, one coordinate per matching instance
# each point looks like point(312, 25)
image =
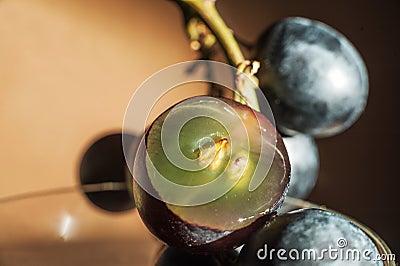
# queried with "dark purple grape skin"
point(307, 229)
point(315, 80)
point(191, 238)
point(304, 162)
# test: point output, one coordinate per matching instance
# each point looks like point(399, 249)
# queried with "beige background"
point(68, 69)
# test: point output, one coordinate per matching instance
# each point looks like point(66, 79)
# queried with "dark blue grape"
point(303, 235)
point(304, 162)
point(313, 77)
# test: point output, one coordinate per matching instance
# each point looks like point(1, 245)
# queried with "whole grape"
point(314, 78)
point(310, 237)
point(304, 163)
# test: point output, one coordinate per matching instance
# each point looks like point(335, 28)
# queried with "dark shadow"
point(171, 256)
point(104, 175)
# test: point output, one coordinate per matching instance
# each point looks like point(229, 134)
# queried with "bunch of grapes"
point(316, 85)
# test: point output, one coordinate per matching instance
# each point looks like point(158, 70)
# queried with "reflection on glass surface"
point(65, 229)
point(62, 228)
point(66, 226)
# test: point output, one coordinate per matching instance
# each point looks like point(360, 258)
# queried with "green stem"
point(209, 14)
point(207, 11)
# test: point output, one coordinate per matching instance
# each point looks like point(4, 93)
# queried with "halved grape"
point(236, 174)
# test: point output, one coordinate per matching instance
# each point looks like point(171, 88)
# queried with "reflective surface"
point(66, 229)
point(61, 227)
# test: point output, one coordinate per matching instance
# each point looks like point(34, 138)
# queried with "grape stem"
point(206, 11)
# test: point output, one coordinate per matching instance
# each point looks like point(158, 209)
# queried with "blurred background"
point(68, 69)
